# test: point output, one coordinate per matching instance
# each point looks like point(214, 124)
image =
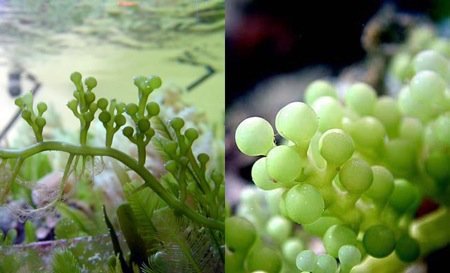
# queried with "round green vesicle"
point(431, 60)
point(297, 122)
point(407, 249)
point(330, 113)
point(203, 158)
point(399, 155)
point(153, 108)
point(177, 123)
point(191, 134)
point(150, 133)
point(409, 106)
point(283, 164)
point(75, 77)
point(361, 98)
point(254, 136)
point(356, 176)
point(102, 103)
point(388, 113)
point(291, 248)
point(442, 128)
point(42, 107)
point(143, 125)
point(404, 195)
point(132, 109)
point(89, 97)
point(264, 259)
point(306, 260)
point(327, 263)
point(154, 82)
point(279, 228)
point(88, 116)
point(349, 256)
point(368, 133)
point(19, 102)
point(436, 165)
point(412, 129)
point(138, 80)
point(40, 122)
point(72, 104)
point(318, 89)
point(427, 87)
point(382, 184)
point(26, 115)
point(240, 234)
point(93, 107)
point(171, 166)
point(379, 241)
point(260, 176)
point(336, 147)
point(170, 146)
point(90, 82)
point(336, 237)
point(400, 65)
point(120, 120)
point(104, 117)
point(304, 204)
point(128, 131)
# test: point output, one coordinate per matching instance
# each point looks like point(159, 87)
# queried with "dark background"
point(267, 37)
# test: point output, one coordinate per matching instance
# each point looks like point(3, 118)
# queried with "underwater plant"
point(171, 222)
point(358, 183)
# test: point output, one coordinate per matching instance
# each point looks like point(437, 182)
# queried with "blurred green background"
point(43, 42)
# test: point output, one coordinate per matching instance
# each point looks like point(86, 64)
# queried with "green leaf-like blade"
point(64, 261)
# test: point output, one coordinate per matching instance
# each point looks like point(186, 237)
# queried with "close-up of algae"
point(337, 155)
point(238, 136)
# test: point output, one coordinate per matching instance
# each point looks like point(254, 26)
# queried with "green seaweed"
point(189, 192)
point(64, 261)
point(30, 232)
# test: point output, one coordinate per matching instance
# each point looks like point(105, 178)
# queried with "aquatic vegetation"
point(358, 179)
point(146, 24)
point(170, 220)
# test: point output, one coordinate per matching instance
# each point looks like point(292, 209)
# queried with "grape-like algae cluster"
point(352, 171)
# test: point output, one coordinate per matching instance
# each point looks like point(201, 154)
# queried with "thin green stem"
point(80, 90)
point(77, 159)
point(65, 176)
point(183, 186)
point(196, 170)
point(142, 152)
point(109, 138)
point(142, 103)
point(83, 136)
point(148, 178)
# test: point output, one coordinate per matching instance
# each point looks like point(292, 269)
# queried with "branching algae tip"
point(170, 222)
